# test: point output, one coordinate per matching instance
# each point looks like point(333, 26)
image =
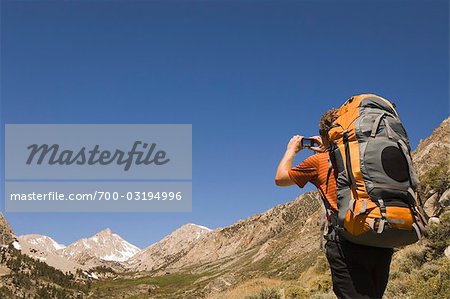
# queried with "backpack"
point(376, 181)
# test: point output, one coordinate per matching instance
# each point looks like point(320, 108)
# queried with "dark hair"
point(327, 120)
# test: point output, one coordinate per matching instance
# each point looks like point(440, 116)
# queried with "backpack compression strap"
point(348, 165)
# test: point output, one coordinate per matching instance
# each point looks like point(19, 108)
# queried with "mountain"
point(103, 246)
point(169, 249)
point(281, 242)
point(105, 249)
point(193, 245)
point(255, 232)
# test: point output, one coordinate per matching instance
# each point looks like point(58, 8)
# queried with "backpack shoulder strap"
point(330, 169)
point(323, 194)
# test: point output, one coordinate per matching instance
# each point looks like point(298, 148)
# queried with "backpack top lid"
point(366, 100)
point(351, 110)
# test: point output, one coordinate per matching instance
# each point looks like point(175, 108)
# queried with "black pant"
point(358, 271)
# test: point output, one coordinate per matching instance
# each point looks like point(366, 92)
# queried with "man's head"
point(326, 122)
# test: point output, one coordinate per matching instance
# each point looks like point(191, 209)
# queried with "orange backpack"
point(376, 182)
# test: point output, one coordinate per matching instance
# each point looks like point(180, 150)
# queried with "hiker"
point(357, 271)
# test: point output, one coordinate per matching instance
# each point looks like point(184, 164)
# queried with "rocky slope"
point(167, 250)
point(432, 163)
point(26, 272)
point(24, 277)
point(6, 233)
point(254, 232)
point(434, 149)
point(45, 249)
point(193, 245)
point(281, 242)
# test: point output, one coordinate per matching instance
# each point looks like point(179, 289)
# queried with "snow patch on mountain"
point(40, 242)
point(104, 245)
point(200, 226)
point(17, 245)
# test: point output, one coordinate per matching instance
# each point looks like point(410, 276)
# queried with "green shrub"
point(323, 285)
point(266, 294)
point(437, 178)
point(296, 293)
point(321, 266)
point(5, 293)
point(432, 281)
point(397, 286)
point(409, 260)
point(103, 269)
point(422, 270)
point(439, 236)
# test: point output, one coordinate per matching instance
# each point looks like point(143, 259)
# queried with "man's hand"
point(320, 148)
point(295, 144)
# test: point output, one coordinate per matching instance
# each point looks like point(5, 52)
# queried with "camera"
point(308, 143)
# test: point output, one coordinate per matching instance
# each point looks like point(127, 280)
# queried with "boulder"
point(444, 201)
point(434, 220)
point(431, 205)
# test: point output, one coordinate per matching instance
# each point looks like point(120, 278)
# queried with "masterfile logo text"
point(52, 154)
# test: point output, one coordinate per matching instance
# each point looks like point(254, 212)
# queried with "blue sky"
point(246, 74)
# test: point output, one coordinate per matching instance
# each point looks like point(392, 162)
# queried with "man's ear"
point(325, 140)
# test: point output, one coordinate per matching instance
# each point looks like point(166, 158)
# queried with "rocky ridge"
point(7, 234)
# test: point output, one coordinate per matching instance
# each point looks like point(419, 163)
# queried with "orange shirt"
point(315, 170)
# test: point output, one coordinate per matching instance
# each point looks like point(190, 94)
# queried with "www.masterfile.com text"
point(99, 196)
